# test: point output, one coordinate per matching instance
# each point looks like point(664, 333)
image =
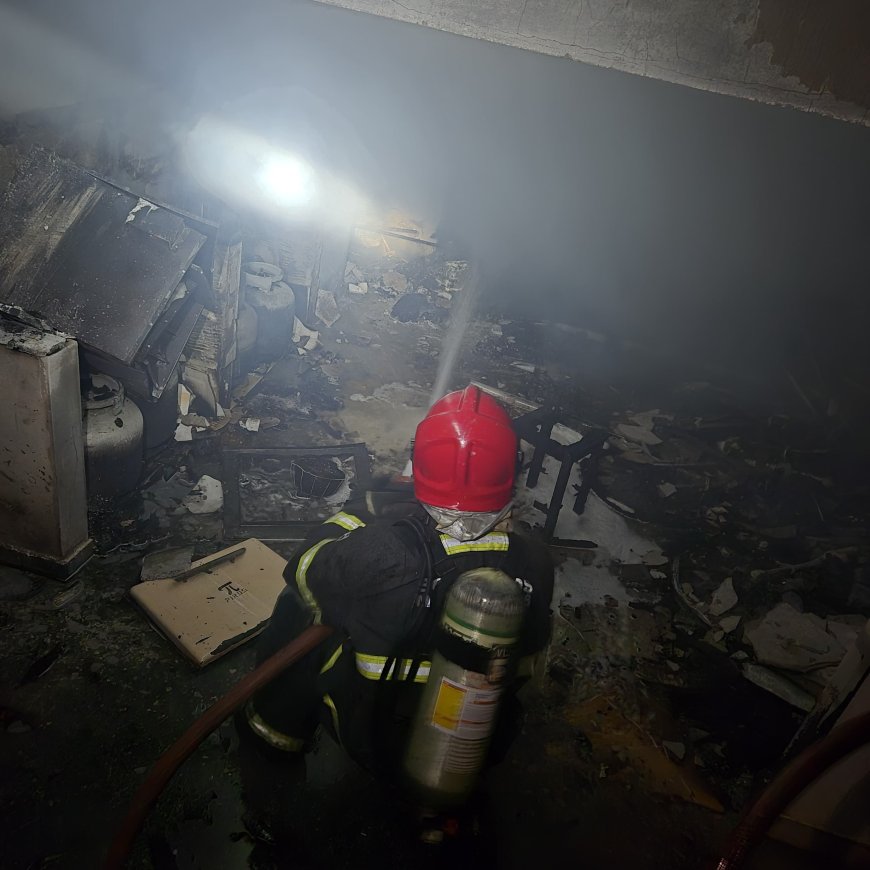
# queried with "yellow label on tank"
point(448, 707)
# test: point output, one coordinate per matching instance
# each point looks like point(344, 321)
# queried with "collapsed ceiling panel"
point(95, 261)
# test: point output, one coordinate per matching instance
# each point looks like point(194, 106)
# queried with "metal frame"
point(536, 428)
point(290, 530)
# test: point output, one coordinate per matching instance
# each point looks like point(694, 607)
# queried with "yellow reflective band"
point(371, 667)
point(331, 704)
point(493, 542)
point(346, 521)
point(302, 574)
point(332, 660)
point(271, 735)
point(422, 675)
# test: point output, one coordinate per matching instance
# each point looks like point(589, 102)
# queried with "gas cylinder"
point(246, 328)
point(274, 306)
point(471, 667)
point(246, 337)
point(113, 438)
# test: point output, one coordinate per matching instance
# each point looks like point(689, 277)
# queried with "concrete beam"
point(800, 53)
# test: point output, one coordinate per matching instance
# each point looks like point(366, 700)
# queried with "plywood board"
point(214, 611)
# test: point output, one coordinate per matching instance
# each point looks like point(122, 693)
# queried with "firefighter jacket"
point(381, 584)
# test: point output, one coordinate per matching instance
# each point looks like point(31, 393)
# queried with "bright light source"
point(247, 171)
point(287, 180)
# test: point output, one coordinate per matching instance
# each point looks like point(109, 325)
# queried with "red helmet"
point(465, 453)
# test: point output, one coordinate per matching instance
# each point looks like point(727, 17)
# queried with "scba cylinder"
point(471, 666)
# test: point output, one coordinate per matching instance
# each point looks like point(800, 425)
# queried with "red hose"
point(165, 766)
point(789, 783)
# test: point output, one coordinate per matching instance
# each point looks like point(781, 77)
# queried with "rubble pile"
point(728, 640)
point(423, 289)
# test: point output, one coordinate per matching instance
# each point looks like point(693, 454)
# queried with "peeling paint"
point(823, 45)
point(806, 55)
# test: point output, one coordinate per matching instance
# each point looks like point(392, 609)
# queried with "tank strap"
point(482, 660)
point(427, 579)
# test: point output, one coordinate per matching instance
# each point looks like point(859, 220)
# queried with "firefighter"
point(381, 583)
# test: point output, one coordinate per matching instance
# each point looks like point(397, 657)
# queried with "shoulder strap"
point(425, 589)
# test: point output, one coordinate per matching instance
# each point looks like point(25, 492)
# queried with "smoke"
point(694, 223)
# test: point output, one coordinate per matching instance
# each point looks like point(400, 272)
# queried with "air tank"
point(471, 667)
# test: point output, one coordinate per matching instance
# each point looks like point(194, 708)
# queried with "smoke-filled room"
point(554, 311)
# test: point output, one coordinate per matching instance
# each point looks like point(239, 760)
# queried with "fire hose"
point(789, 783)
point(164, 768)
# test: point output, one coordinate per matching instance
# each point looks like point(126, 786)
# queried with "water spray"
point(460, 317)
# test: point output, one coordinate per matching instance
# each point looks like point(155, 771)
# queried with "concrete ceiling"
point(805, 54)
